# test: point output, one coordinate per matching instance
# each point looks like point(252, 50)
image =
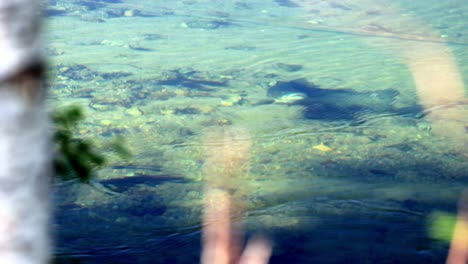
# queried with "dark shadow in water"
point(122, 184)
point(286, 3)
point(191, 79)
point(324, 230)
point(209, 24)
point(91, 5)
point(133, 224)
point(354, 227)
point(51, 12)
point(338, 104)
point(142, 224)
point(354, 237)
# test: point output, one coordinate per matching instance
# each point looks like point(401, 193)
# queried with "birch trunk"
point(24, 138)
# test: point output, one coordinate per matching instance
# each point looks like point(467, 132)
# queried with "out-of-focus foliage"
point(441, 226)
point(76, 157)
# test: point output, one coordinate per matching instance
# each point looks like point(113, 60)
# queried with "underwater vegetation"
point(335, 104)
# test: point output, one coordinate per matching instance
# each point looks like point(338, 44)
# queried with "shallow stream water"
point(351, 171)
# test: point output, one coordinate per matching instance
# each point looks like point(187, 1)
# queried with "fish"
point(122, 184)
point(335, 104)
point(286, 3)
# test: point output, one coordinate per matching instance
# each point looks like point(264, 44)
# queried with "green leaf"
point(441, 225)
point(76, 157)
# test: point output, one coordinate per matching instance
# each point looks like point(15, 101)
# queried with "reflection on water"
point(305, 112)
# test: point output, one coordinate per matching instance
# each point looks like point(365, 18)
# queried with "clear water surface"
point(342, 163)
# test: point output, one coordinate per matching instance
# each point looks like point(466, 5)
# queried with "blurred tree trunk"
point(24, 137)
